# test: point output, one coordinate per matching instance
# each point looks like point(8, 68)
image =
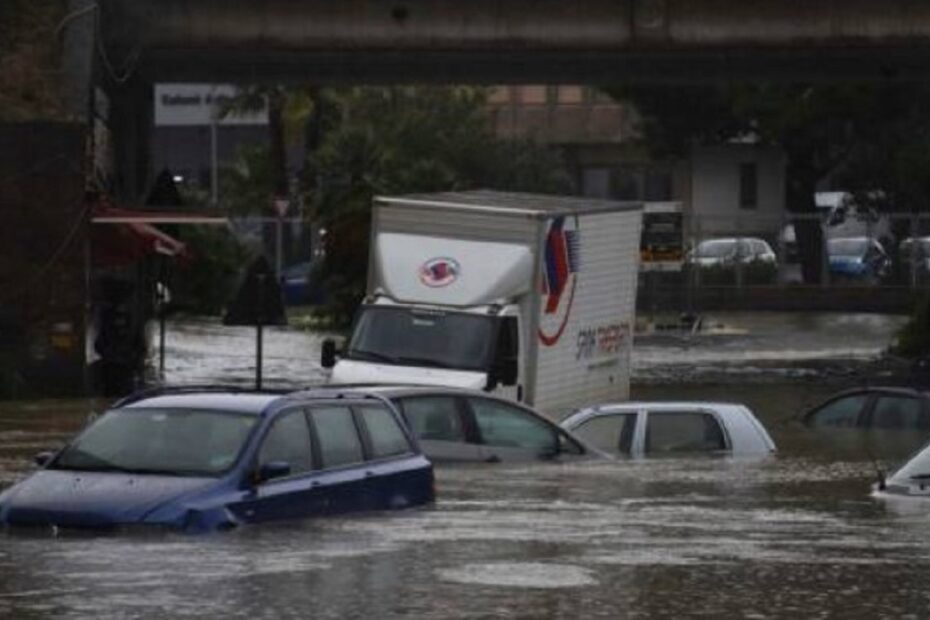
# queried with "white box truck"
point(528, 295)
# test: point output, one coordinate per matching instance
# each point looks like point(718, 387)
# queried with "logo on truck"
point(440, 271)
point(560, 269)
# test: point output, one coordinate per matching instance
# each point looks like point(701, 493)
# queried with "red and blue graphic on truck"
point(561, 263)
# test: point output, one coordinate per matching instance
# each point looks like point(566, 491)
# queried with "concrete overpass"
point(494, 41)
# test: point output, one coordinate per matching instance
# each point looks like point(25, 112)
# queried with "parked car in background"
point(299, 286)
point(732, 260)
point(729, 251)
point(915, 252)
point(858, 258)
point(888, 408)
point(657, 428)
point(465, 425)
point(198, 460)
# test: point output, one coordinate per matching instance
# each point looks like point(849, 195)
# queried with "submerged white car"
point(656, 428)
point(910, 480)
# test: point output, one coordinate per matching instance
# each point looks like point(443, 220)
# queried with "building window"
point(595, 182)
point(570, 95)
point(748, 186)
point(533, 94)
point(657, 185)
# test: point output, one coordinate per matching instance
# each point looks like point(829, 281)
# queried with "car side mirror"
point(42, 458)
point(502, 372)
point(328, 353)
point(274, 469)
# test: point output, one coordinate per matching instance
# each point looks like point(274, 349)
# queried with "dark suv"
point(198, 459)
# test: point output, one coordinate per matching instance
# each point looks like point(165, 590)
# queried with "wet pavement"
point(794, 535)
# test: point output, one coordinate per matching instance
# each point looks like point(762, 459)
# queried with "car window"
point(898, 412)
point(288, 441)
point(842, 412)
point(337, 436)
point(501, 425)
point(683, 431)
point(611, 433)
point(387, 437)
point(434, 418)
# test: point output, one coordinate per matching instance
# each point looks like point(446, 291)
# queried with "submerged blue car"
point(208, 460)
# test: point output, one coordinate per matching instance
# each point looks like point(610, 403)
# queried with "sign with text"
point(198, 104)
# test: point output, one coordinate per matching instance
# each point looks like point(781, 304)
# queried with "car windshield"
point(176, 442)
point(716, 249)
point(847, 247)
point(422, 338)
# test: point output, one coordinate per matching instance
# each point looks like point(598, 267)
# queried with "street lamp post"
point(281, 205)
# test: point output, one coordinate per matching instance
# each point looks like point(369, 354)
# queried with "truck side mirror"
point(509, 371)
point(328, 353)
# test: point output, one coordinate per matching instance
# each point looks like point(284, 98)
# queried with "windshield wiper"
point(131, 470)
point(424, 361)
point(373, 355)
point(919, 477)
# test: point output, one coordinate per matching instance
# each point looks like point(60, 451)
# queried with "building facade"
point(723, 190)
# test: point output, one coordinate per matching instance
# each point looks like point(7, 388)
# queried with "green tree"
point(29, 60)
point(408, 139)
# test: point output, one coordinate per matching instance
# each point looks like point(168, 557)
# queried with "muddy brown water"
point(794, 535)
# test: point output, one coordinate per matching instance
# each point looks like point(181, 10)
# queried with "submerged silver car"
point(655, 428)
point(458, 425)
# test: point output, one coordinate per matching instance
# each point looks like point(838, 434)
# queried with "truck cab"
point(475, 348)
point(529, 296)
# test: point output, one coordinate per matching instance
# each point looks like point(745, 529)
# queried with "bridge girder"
point(370, 41)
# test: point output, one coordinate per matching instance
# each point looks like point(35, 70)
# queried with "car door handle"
point(493, 459)
point(369, 474)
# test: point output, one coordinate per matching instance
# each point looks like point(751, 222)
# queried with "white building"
point(727, 189)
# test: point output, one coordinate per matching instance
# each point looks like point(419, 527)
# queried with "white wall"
point(715, 187)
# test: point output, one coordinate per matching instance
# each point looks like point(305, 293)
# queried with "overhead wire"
point(130, 63)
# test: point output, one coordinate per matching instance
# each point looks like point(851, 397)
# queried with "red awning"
point(121, 237)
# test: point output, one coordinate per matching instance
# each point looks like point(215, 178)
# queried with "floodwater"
point(795, 535)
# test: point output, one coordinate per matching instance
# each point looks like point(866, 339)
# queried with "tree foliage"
point(29, 60)
point(362, 142)
point(402, 140)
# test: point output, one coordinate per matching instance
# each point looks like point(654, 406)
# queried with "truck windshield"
point(423, 338)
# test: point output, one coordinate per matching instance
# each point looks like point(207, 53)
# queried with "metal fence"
point(895, 248)
point(868, 261)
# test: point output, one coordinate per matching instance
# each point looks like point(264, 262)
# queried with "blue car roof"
point(235, 401)
point(226, 401)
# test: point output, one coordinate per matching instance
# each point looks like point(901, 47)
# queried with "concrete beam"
point(521, 40)
point(78, 36)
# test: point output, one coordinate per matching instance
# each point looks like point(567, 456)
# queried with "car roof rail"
point(340, 391)
point(163, 390)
